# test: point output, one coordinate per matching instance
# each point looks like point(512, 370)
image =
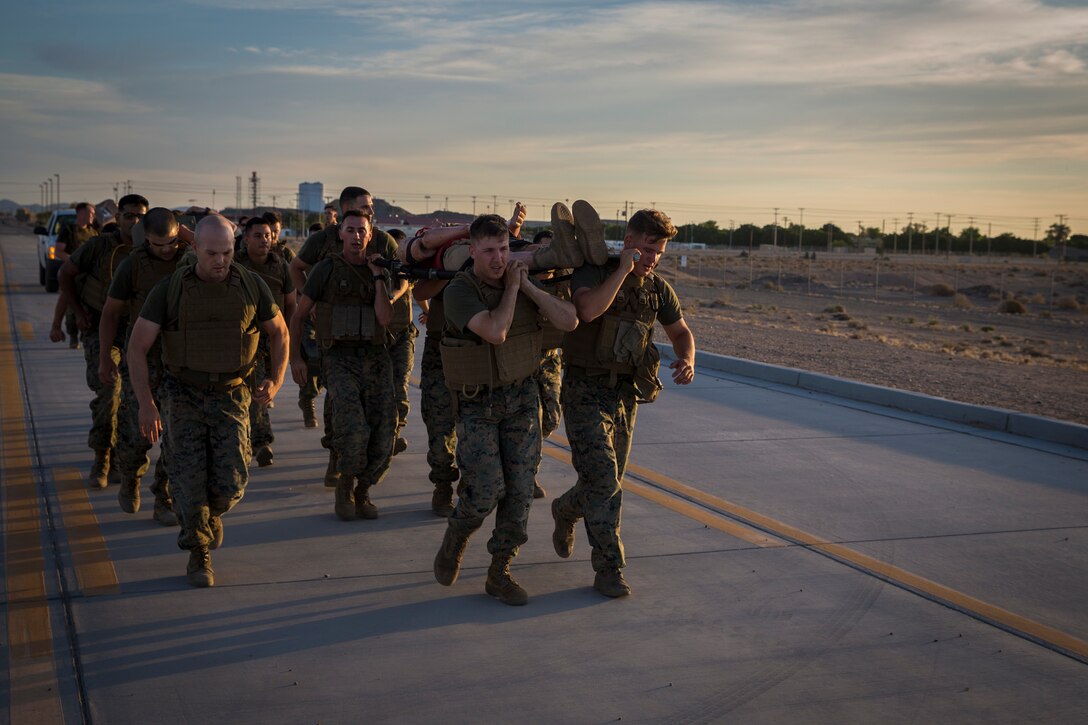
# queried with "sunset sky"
point(855, 110)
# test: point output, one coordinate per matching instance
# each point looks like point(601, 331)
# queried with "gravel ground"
point(1035, 362)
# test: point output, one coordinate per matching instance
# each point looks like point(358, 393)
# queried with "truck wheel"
point(41, 274)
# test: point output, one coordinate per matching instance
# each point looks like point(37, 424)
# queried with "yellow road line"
point(32, 675)
point(894, 574)
point(708, 518)
point(90, 557)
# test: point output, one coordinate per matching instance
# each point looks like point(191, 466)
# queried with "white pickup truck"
point(48, 262)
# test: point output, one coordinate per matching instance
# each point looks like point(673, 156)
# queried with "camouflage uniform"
point(134, 280)
point(274, 273)
point(498, 447)
point(402, 351)
point(600, 401)
point(73, 237)
point(96, 260)
point(498, 425)
point(358, 372)
point(206, 416)
point(549, 380)
point(436, 402)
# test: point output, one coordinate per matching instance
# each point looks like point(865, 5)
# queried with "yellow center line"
point(32, 675)
point(894, 574)
point(90, 557)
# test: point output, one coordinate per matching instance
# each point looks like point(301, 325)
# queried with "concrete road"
point(795, 557)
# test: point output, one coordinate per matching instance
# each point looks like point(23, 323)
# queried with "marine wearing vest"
point(147, 271)
point(271, 271)
point(469, 363)
point(619, 343)
point(94, 285)
point(340, 318)
point(211, 333)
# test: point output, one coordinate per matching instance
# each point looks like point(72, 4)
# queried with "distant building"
point(311, 196)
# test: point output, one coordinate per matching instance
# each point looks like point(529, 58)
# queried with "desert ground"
point(1008, 333)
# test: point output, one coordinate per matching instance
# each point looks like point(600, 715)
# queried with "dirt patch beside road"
point(922, 326)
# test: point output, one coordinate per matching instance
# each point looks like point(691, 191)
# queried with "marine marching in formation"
point(188, 335)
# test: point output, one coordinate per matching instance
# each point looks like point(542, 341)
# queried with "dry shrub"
point(857, 325)
point(1012, 307)
point(1037, 299)
point(1068, 302)
point(772, 286)
point(941, 290)
point(961, 301)
point(835, 308)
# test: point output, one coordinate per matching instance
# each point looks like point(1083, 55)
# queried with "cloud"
point(27, 99)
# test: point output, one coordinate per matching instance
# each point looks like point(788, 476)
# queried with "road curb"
point(979, 416)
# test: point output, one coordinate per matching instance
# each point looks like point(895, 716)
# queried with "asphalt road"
point(795, 557)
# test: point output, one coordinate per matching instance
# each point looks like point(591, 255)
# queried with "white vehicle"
point(48, 263)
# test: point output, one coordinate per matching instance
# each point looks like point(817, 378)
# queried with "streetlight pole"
point(58, 189)
point(51, 197)
point(910, 232)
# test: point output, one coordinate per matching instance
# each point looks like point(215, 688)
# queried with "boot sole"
point(590, 230)
point(563, 228)
point(495, 592)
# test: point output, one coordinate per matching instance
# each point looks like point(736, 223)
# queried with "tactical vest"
point(96, 282)
point(345, 312)
point(147, 271)
point(331, 243)
point(620, 341)
point(468, 361)
point(272, 272)
point(402, 312)
point(436, 315)
point(211, 332)
point(553, 336)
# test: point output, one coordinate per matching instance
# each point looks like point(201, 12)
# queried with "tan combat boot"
point(589, 232)
point(332, 475)
point(538, 490)
point(563, 534)
point(611, 583)
point(309, 412)
point(447, 563)
point(129, 495)
point(100, 469)
point(199, 573)
point(345, 499)
point(216, 525)
point(563, 250)
point(400, 445)
point(364, 507)
point(264, 456)
point(501, 584)
point(164, 513)
point(442, 499)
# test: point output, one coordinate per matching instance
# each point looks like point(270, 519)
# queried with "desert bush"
point(835, 308)
point(772, 286)
point(1037, 299)
point(933, 322)
point(1068, 302)
point(987, 328)
point(941, 290)
point(965, 327)
point(961, 301)
point(857, 325)
point(1012, 307)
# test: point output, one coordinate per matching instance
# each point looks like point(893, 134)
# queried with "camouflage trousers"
point(403, 354)
point(360, 387)
point(207, 430)
point(436, 407)
point(260, 426)
point(132, 447)
point(315, 379)
point(107, 398)
point(549, 381)
point(498, 448)
point(600, 422)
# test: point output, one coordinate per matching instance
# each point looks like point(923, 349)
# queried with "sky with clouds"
point(854, 110)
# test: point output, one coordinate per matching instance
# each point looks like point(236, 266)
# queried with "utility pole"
point(971, 240)
point(237, 192)
point(427, 203)
point(774, 231)
point(730, 233)
point(949, 236)
point(254, 195)
point(801, 232)
point(1035, 238)
point(494, 203)
point(474, 205)
point(937, 235)
point(910, 231)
